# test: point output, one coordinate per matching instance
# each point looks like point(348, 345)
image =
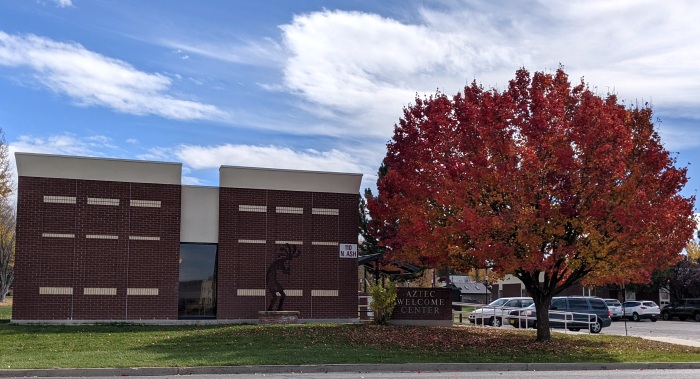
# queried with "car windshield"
point(498, 302)
point(649, 303)
point(613, 302)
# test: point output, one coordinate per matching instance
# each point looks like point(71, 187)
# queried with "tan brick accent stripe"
point(58, 235)
point(142, 291)
point(318, 243)
point(55, 290)
point(252, 208)
point(59, 199)
point(145, 203)
point(101, 201)
point(250, 292)
point(289, 242)
point(101, 237)
point(294, 292)
point(293, 210)
point(325, 211)
point(252, 241)
point(100, 291)
point(144, 238)
point(324, 292)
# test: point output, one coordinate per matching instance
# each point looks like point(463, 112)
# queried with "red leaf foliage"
point(542, 177)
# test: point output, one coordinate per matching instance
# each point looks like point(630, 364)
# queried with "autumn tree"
point(7, 222)
point(692, 248)
point(7, 247)
point(544, 180)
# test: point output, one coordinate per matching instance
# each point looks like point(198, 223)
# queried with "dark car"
point(682, 309)
point(571, 312)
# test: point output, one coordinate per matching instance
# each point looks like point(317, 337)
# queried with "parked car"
point(571, 312)
point(682, 309)
point(638, 310)
point(615, 307)
point(493, 313)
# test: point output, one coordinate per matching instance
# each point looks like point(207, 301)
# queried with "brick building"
point(107, 239)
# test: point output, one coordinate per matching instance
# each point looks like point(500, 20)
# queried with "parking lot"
point(682, 330)
point(687, 330)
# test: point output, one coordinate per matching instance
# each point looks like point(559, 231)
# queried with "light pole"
point(486, 289)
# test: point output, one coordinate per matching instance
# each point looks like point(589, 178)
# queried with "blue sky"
point(315, 85)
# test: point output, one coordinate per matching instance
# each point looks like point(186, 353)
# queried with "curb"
point(330, 368)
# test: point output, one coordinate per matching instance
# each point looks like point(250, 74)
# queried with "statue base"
point(278, 317)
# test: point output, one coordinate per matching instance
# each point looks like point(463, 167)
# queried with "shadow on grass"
point(214, 345)
point(375, 344)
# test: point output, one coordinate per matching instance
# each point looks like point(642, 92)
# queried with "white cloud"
point(64, 144)
point(91, 79)
point(264, 52)
point(206, 157)
point(359, 69)
point(62, 3)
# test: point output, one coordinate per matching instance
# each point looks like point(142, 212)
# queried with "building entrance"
point(197, 289)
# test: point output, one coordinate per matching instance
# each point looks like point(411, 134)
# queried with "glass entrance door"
point(197, 297)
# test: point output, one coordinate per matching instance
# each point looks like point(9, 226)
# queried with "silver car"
point(615, 308)
point(494, 313)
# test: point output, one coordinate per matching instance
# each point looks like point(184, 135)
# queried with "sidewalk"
point(363, 368)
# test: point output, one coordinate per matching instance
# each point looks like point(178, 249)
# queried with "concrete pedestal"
point(278, 317)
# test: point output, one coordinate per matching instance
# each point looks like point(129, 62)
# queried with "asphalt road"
point(686, 330)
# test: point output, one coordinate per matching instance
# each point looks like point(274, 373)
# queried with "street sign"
point(348, 250)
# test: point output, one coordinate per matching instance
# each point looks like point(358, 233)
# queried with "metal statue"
point(282, 263)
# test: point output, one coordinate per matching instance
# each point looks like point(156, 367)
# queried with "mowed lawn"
point(44, 346)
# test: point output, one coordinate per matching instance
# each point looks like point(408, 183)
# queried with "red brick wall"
point(244, 265)
point(81, 263)
point(124, 263)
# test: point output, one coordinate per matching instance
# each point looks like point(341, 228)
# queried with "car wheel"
point(635, 317)
point(653, 319)
point(697, 316)
point(495, 321)
point(665, 316)
point(597, 327)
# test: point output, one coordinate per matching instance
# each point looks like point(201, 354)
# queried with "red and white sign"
point(348, 250)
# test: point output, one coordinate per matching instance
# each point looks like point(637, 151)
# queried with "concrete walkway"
point(675, 341)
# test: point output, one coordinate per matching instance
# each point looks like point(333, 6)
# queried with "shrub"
point(383, 301)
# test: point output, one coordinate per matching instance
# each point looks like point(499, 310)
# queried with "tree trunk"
point(542, 303)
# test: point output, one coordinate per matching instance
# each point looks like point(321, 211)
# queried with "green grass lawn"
point(31, 346)
point(6, 309)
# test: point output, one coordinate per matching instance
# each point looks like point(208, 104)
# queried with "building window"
point(197, 290)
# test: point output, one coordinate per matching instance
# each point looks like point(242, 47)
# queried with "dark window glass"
point(578, 305)
point(558, 304)
point(513, 303)
point(197, 281)
point(598, 304)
